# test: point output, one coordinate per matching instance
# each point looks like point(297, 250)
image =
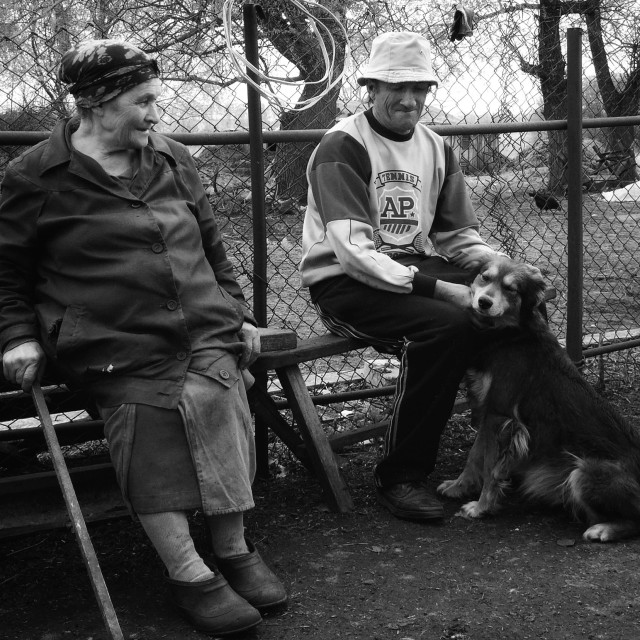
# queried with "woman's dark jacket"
point(120, 282)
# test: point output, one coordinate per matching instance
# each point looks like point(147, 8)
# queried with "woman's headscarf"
point(99, 70)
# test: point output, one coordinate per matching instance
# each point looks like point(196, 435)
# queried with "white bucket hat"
point(399, 56)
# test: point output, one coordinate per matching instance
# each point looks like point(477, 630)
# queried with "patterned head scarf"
point(99, 70)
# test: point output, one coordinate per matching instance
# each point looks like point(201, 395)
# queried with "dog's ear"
point(532, 289)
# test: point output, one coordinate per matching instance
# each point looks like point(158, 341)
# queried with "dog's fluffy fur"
point(539, 424)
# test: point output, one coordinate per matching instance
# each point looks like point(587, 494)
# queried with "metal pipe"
point(24, 138)
point(574, 195)
point(249, 14)
point(250, 19)
point(610, 348)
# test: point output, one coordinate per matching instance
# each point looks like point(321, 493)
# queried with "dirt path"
point(522, 575)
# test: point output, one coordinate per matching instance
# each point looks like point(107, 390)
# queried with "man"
point(389, 238)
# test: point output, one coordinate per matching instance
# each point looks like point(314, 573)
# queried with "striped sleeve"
point(339, 176)
point(454, 232)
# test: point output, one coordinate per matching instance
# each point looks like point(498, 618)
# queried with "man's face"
point(398, 106)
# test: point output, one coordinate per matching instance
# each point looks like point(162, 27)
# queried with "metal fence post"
point(256, 148)
point(574, 196)
point(249, 14)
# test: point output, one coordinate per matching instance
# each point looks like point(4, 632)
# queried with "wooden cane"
point(77, 519)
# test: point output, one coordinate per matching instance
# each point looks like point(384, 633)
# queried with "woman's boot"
point(213, 606)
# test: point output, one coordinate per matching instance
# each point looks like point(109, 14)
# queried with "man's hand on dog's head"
point(457, 294)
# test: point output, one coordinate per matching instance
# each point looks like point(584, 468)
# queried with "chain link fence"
point(510, 70)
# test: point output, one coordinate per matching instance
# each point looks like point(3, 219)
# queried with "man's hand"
point(251, 349)
point(457, 294)
point(24, 364)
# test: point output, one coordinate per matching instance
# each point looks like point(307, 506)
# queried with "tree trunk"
point(553, 84)
point(621, 142)
point(616, 103)
point(290, 161)
point(289, 32)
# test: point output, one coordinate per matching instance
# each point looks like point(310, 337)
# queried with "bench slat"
point(272, 339)
point(308, 349)
point(46, 479)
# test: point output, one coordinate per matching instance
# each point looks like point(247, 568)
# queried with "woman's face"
point(398, 106)
point(126, 121)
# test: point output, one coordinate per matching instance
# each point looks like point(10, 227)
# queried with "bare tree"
point(288, 30)
point(189, 39)
point(616, 36)
point(551, 72)
point(622, 97)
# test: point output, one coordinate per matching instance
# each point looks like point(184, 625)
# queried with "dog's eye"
point(484, 277)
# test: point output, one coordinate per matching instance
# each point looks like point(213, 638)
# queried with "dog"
point(539, 425)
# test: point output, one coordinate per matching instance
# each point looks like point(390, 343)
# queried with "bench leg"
point(266, 410)
point(261, 429)
point(316, 441)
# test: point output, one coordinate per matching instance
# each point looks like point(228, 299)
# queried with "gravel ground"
point(523, 574)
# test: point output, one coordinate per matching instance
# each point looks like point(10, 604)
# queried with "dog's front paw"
point(471, 510)
point(602, 532)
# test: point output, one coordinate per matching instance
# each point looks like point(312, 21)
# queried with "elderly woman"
point(112, 268)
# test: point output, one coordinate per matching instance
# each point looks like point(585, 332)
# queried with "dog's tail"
point(597, 489)
point(546, 482)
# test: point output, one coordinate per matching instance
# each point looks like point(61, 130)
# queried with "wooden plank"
point(309, 349)
point(317, 444)
point(68, 433)
point(45, 509)
point(272, 339)
point(33, 482)
point(339, 441)
point(17, 405)
point(322, 346)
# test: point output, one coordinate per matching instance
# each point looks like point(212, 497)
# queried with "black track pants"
point(435, 342)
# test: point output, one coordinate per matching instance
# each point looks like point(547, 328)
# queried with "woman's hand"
point(24, 364)
point(251, 349)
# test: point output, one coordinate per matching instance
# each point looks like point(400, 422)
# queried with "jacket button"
point(224, 374)
point(136, 205)
point(172, 305)
point(181, 355)
point(157, 247)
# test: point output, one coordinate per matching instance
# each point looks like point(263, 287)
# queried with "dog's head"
point(506, 293)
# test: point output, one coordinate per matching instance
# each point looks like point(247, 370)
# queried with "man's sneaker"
point(411, 501)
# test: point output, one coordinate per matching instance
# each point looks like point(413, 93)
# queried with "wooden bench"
point(282, 352)
point(311, 445)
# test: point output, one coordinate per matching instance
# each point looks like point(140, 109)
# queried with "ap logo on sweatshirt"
point(398, 211)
